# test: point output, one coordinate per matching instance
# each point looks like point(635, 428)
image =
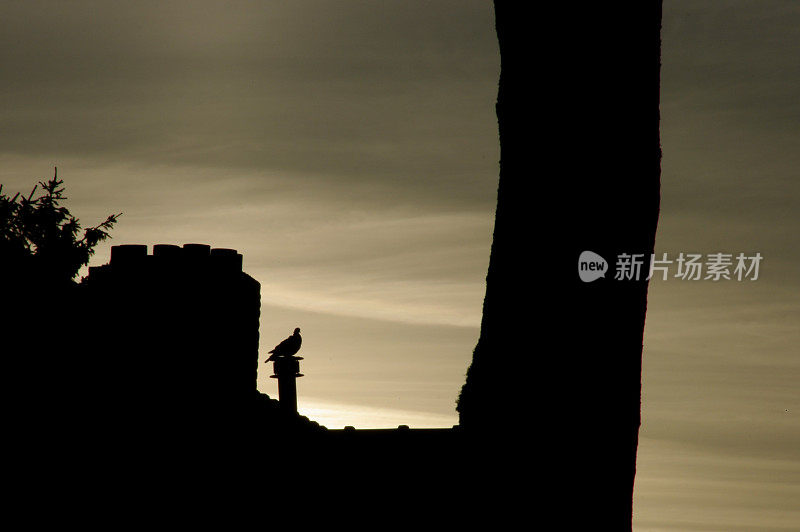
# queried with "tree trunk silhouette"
point(553, 392)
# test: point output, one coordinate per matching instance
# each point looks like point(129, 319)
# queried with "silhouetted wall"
point(580, 167)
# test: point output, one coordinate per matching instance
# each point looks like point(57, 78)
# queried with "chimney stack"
point(287, 370)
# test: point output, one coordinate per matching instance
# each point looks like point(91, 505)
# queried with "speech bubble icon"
point(591, 266)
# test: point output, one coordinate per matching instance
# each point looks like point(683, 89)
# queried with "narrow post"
point(287, 370)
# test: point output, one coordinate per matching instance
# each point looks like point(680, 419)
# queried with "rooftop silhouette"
point(145, 373)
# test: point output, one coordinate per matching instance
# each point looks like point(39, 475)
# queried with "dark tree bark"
point(580, 170)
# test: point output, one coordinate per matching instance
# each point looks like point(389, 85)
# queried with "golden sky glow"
point(349, 151)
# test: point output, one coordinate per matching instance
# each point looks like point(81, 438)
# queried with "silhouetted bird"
point(288, 347)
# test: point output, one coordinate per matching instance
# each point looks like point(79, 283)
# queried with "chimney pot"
point(128, 254)
point(196, 251)
point(226, 259)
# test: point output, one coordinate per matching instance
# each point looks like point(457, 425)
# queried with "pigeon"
point(288, 347)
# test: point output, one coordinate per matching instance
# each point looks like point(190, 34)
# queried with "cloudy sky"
point(349, 150)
